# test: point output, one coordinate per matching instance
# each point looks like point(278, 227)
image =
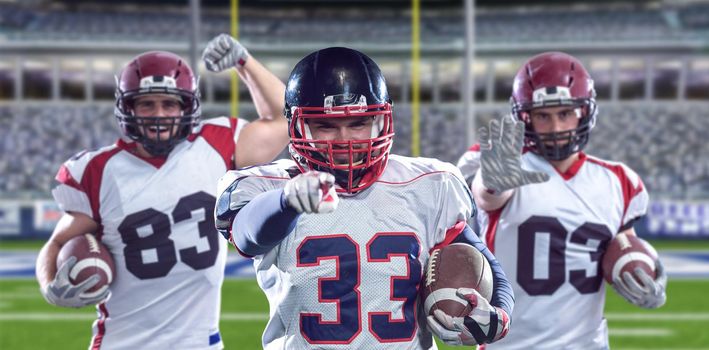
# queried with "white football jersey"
point(349, 279)
point(155, 217)
point(549, 239)
point(469, 163)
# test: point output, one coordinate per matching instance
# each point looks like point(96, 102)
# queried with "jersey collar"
point(132, 148)
point(574, 168)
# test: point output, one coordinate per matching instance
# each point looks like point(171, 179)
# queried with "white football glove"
point(500, 156)
point(647, 293)
point(485, 324)
point(224, 52)
point(312, 192)
point(61, 292)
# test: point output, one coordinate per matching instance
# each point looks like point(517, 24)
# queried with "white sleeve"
point(240, 124)
point(247, 183)
point(636, 197)
point(70, 194)
point(456, 205)
point(71, 199)
point(469, 163)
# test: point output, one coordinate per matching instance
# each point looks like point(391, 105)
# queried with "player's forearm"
point(44, 269)
point(485, 198)
point(502, 295)
point(267, 91)
point(261, 141)
point(263, 223)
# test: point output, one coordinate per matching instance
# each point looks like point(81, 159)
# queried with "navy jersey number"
point(556, 259)
point(343, 288)
point(159, 243)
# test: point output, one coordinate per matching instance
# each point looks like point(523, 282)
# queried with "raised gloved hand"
point(224, 52)
point(312, 192)
point(62, 292)
point(500, 156)
point(641, 289)
point(484, 324)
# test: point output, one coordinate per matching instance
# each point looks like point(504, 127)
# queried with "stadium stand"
point(664, 143)
point(667, 23)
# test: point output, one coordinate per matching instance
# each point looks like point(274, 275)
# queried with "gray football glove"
point(648, 293)
point(312, 192)
point(224, 52)
point(484, 324)
point(61, 292)
point(500, 156)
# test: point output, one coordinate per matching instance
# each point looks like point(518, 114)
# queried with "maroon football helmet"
point(157, 72)
point(553, 79)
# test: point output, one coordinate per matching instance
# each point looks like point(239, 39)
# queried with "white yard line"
point(52, 316)
point(255, 316)
point(659, 316)
point(639, 332)
point(651, 348)
point(16, 295)
point(45, 316)
point(246, 316)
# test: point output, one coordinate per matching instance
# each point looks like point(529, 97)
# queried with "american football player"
point(149, 198)
point(340, 233)
point(549, 210)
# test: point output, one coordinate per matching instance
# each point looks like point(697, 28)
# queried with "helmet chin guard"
point(366, 158)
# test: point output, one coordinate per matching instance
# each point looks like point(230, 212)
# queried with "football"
point(626, 253)
point(92, 257)
point(454, 266)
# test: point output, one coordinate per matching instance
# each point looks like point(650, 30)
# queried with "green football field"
point(28, 322)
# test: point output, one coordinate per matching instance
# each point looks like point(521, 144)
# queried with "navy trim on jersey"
point(223, 212)
point(502, 294)
point(263, 223)
point(215, 338)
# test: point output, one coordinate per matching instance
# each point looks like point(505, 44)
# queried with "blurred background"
point(649, 60)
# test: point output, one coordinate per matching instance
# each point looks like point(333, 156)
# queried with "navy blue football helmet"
point(338, 82)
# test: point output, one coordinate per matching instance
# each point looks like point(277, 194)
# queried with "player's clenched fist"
point(484, 324)
point(312, 192)
point(224, 52)
point(62, 292)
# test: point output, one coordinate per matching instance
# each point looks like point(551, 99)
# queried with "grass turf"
point(21, 297)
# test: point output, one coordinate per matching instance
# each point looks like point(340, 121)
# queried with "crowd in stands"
point(665, 143)
point(36, 140)
point(495, 25)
